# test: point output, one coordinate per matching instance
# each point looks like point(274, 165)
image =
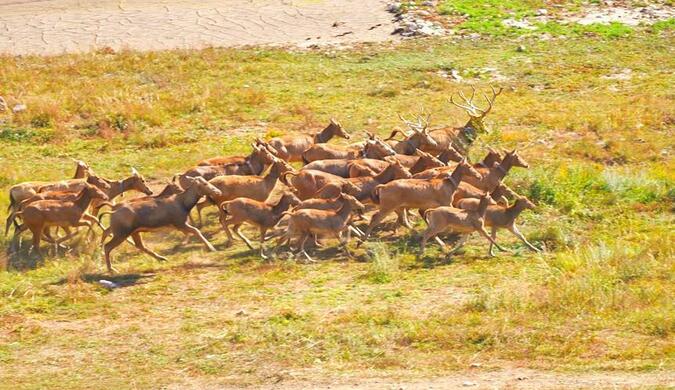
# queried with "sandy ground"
point(64, 26)
point(514, 378)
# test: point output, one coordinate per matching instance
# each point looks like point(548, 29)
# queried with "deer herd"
point(337, 193)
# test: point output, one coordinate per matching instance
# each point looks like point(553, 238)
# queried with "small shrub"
point(383, 266)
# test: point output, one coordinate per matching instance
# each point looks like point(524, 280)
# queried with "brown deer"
point(502, 217)
point(290, 147)
point(133, 218)
point(461, 138)
point(318, 152)
point(22, 191)
point(168, 190)
point(254, 164)
point(41, 214)
point(417, 194)
point(252, 187)
point(306, 183)
point(135, 182)
point(419, 138)
point(313, 222)
point(260, 214)
point(459, 221)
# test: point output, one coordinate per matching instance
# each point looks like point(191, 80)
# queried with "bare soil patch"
point(65, 26)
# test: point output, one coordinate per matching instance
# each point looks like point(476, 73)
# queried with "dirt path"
point(56, 26)
point(516, 378)
point(505, 379)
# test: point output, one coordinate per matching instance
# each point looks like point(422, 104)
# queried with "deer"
point(263, 215)
point(450, 155)
point(460, 221)
point(135, 182)
point(417, 194)
point(461, 138)
point(252, 187)
point(72, 185)
point(313, 222)
point(41, 214)
point(318, 152)
point(307, 182)
point(255, 164)
point(291, 147)
point(168, 190)
point(133, 218)
point(502, 216)
point(22, 191)
point(419, 138)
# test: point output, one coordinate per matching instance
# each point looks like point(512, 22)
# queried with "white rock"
point(541, 12)
point(19, 108)
point(107, 284)
point(394, 7)
point(469, 384)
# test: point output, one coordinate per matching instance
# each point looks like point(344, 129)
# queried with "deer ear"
point(513, 151)
point(134, 172)
point(333, 121)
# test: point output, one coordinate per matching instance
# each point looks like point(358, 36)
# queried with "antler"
point(471, 108)
point(419, 126)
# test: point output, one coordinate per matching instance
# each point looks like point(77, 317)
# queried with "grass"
point(488, 16)
point(599, 298)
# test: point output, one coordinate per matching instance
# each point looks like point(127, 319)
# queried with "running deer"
point(263, 215)
point(417, 194)
point(155, 213)
point(22, 191)
point(318, 152)
point(252, 187)
point(254, 164)
point(313, 222)
point(306, 183)
point(464, 222)
point(135, 182)
point(461, 138)
point(290, 147)
point(419, 138)
point(502, 216)
point(42, 214)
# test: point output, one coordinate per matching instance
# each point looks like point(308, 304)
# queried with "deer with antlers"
point(461, 138)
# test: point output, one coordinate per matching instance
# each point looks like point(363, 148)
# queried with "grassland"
point(599, 143)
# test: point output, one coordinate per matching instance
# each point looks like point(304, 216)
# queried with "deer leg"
point(355, 230)
point(513, 229)
point(344, 240)
point(375, 221)
point(241, 235)
point(493, 234)
point(403, 218)
point(459, 244)
point(109, 246)
point(138, 242)
point(263, 231)
point(199, 208)
point(305, 236)
point(485, 234)
point(37, 235)
point(188, 229)
point(430, 232)
point(225, 223)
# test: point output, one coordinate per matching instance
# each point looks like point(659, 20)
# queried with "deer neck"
point(385, 176)
point(189, 197)
point(254, 164)
point(466, 136)
point(272, 176)
point(117, 187)
point(344, 211)
point(84, 200)
point(324, 135)
point(281, 206)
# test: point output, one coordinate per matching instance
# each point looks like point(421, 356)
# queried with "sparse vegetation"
point(600, 297)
